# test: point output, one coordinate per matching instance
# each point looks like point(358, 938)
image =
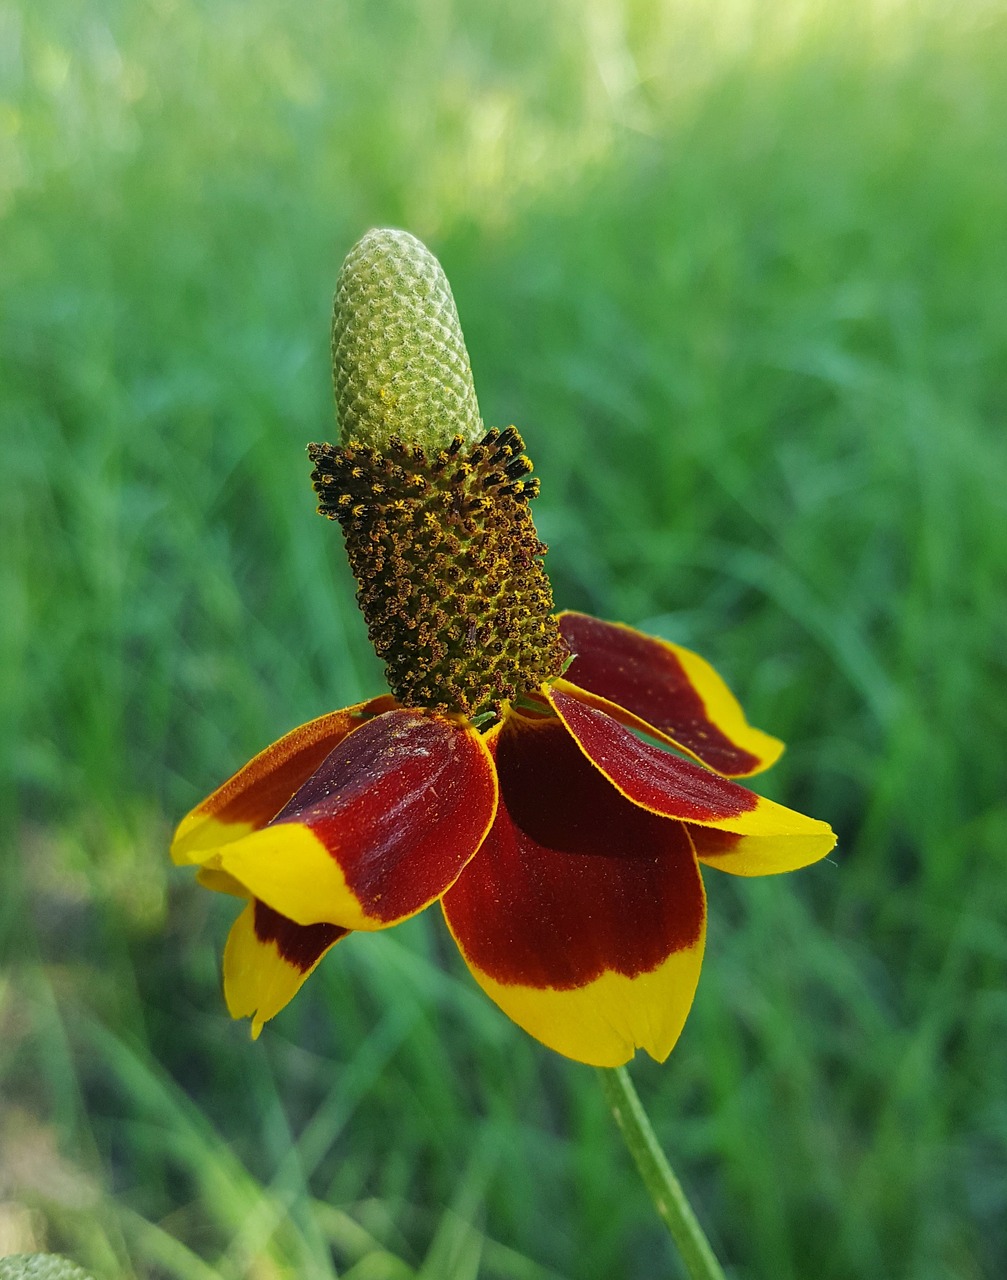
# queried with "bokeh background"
point(738, 271)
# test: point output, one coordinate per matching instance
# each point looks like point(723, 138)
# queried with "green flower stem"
point(665, 1189)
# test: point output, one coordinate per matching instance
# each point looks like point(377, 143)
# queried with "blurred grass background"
point(738, 272)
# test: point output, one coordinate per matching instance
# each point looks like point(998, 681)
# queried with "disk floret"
point(448, 567)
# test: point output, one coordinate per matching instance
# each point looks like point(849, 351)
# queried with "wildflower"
point(553, 780)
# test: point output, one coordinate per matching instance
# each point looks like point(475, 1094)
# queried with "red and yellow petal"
point(379, 830)
point(266, 960)
point(667, 691)
point(256, 793)
point(754, 855)
point(583, 916)
point(773, 838)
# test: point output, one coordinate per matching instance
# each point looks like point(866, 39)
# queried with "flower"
point(553, 780)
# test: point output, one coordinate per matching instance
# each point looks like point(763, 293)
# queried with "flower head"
point(553, 780)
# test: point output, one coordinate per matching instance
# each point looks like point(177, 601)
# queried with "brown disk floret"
point(448, 567)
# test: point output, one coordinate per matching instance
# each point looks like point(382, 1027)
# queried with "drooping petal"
point(775, 838)
point(266, 960)
point(582, 916)
point(256, 793)
point(665, 690)
point(754, 855)
point(381, 829)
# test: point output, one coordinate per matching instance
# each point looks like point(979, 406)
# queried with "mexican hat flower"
point(552, 780)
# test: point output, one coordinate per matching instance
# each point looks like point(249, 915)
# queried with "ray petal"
point(665, 690)
point(774, 838)
point(267, 959)
point(259, 790)
point(583, 916)
point(380, 830)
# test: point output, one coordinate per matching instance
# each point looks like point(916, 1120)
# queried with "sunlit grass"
point(736, 271)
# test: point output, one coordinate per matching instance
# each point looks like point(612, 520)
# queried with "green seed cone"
point(399, 363)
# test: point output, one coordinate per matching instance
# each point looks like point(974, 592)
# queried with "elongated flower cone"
point(399, 363)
